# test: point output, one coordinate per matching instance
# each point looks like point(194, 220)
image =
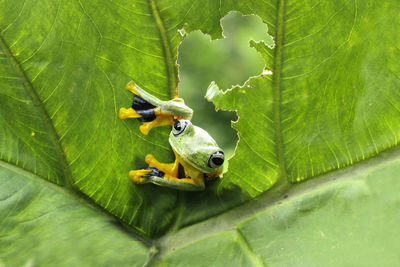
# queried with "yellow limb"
point(131, 87)
point(128, 113)
point(158, 121)
point(168, 180)
point(196, 182)
point(170, 169)
point(170, 177)
point(136, 176)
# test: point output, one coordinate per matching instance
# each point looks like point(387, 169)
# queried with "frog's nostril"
point(216, 159)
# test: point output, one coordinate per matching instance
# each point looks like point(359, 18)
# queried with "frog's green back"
point(195, 146)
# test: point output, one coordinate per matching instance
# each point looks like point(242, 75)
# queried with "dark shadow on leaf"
point(202, 205)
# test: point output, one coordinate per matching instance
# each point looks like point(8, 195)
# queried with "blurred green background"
point(228, 62)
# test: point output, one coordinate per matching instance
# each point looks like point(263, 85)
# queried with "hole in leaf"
point(228, 62)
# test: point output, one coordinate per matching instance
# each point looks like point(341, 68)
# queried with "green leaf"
point(330, 102)
point(352, 222)
point(347, 219)
point(43, 225)
point(215, 250)
point(332, 98)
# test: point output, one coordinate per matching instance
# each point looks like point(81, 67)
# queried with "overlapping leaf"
point(44, 226)
point(349, 219)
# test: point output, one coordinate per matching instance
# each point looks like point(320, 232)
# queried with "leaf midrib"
point(43, 113)
point(77, 196)
point(169, 62)
point(67, 185)
point(229, 220)
point(276, 82)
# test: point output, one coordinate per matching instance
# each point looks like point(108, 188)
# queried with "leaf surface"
point(64, 69)
point(332, 99)
point(43, 225)
point(330, 102)
point(348, 219)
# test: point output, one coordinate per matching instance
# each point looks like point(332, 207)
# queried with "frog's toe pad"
point(154, 172)
point(138, 177)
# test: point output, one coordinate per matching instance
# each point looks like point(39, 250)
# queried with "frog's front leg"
point(160, 120)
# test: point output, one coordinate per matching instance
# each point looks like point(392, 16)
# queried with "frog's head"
point(195, 146)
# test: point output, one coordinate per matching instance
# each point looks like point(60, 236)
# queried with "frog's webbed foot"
point(170, 169)
point(138, 176)
point(144, 176)
point(151, 111)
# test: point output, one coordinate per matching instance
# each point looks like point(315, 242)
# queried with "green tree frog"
point(195, 150)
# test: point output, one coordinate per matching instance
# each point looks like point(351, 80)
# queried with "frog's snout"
point(216, 159)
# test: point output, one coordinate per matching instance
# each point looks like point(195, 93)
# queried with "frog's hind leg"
point(167, 175)
point(148, 113)
point(140, 109)
point(158, 177)
point(186, 184)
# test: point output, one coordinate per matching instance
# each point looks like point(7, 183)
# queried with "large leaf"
point(43, 225)
point(349, 219)
point(330, 101)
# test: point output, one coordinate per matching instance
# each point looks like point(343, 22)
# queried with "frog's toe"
point(151, 160)
point(128, 113)
point(158, 121)
point(154, 172)
point(131, 86)
point(139, 176)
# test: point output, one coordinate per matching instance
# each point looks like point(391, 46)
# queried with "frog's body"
point(195, 150)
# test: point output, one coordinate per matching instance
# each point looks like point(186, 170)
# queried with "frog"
point(198, 158)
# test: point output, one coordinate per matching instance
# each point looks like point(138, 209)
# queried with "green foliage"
point(43, 225)
point(228, 61)
point(331, 101)
point(350, 219)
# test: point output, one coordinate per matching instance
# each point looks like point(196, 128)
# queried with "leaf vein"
point(39, 104)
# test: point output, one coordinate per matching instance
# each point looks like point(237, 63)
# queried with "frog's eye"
point(179, 127)
point(216, 159)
